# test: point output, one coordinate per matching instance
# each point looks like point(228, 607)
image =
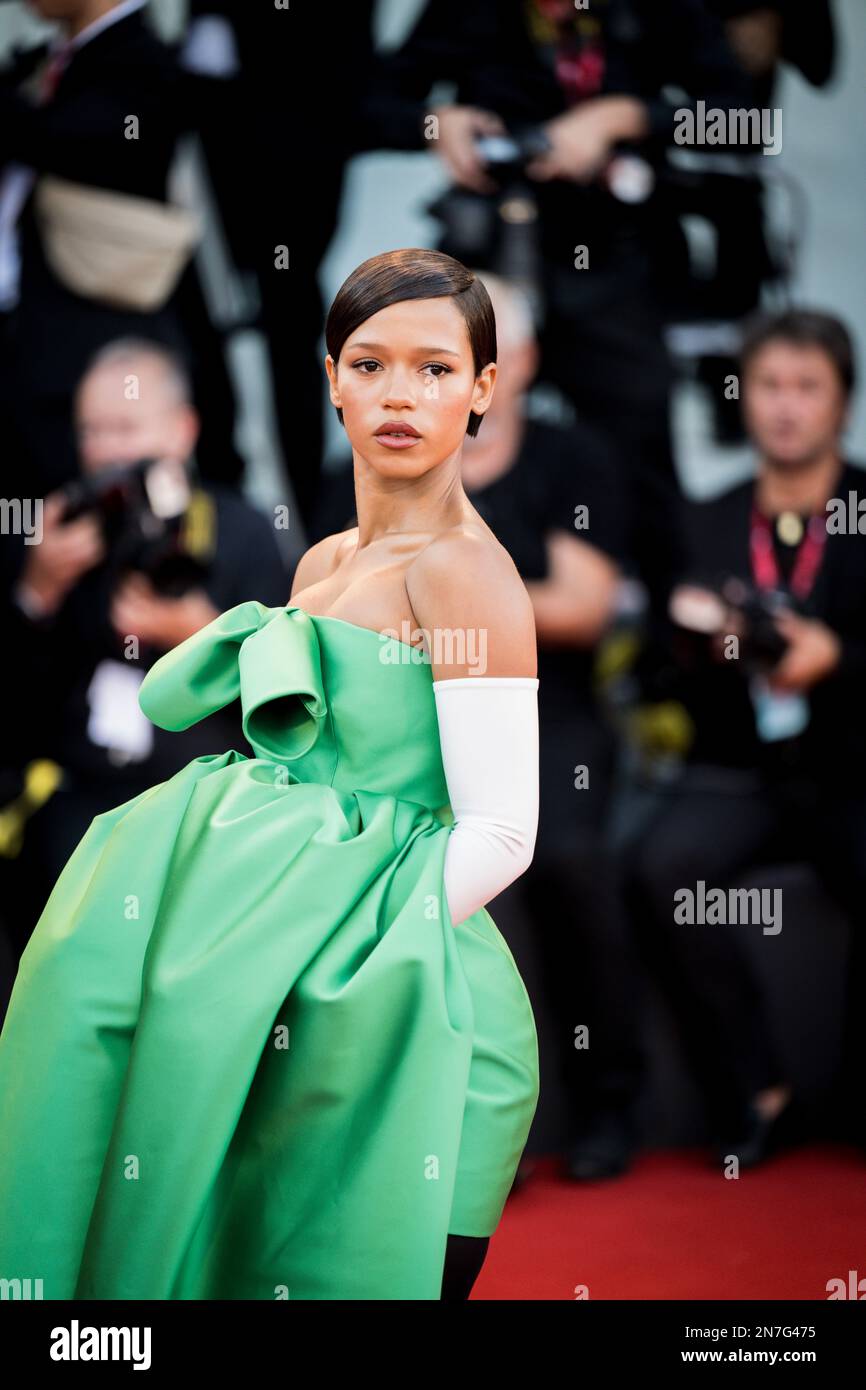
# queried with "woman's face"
point(410, 364)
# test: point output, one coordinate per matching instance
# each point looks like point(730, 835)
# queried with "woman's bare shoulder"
point(321, 559)
point(466, 581)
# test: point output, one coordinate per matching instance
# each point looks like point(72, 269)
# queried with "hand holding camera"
point(138, 610)
point(791, 651)
point(462, 130)
point(66, 552)
point(582, 140)
point(132, 519)
point(813, 652)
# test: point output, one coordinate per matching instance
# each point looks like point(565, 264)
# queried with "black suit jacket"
point(124, 71)
point(80, 135)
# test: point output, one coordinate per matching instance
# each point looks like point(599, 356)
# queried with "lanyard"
point(765, 566)
point(573, 43)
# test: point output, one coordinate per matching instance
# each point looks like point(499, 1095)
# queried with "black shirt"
point(833, 746)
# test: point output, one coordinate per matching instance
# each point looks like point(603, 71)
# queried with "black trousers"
point(602, 344)
point(715, 832)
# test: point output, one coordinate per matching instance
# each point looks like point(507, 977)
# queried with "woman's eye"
point(436, 369)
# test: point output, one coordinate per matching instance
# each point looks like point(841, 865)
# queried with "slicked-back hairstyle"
point(803, 328)
point(414, 273)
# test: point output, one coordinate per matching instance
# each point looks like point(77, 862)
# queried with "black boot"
point(755, 1137)
point(604, 1149)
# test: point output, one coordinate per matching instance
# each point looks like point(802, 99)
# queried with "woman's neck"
point(431, 503)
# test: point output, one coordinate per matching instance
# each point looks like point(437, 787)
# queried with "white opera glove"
point(488, 732)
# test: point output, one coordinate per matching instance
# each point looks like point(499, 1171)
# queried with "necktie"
point(52, 72)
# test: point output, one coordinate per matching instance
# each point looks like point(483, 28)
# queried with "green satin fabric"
point(247, 1055)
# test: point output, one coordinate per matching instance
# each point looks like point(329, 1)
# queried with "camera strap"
point(199, 528)
point(810, 555)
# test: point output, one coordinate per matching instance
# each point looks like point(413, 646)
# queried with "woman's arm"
point(488, 734)
point(469, 599)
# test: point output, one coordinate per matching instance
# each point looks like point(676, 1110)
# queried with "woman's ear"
point(482, 395)
point(331, 369)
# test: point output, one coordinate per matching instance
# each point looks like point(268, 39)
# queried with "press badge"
point(116, 721)
point(779, 714)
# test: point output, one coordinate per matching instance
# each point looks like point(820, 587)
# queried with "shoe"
point(604, 1151)
point(758, 1137)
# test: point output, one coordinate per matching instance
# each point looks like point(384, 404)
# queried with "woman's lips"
point(398, 441)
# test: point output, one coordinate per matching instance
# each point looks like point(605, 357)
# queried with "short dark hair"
point(803, 328)
point(414, 273)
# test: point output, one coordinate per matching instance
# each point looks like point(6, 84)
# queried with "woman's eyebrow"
point(377, 347)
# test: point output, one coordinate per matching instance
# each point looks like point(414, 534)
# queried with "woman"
point(265, 1041)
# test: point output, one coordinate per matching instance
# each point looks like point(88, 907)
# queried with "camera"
point(761, 642)
point(141, 509)
point(701, 612)
point(506, 156)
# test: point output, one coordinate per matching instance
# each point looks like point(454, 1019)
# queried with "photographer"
point(574, 91)
point(770, 643)
point(133, 558)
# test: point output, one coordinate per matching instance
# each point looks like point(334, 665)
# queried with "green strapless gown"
point(247, 1055)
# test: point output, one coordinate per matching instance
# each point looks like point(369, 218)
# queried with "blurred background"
point(680, 327)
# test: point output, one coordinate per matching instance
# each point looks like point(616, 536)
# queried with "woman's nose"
point(399, 390)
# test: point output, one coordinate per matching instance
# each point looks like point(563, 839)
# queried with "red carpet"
point(674, 1228)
